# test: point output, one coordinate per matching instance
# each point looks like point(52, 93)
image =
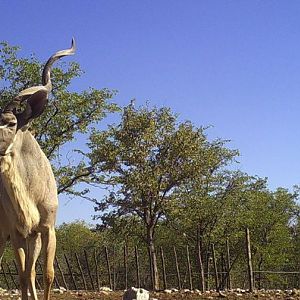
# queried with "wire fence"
point(181, 268)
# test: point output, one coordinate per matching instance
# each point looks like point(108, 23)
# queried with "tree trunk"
point(151, 245)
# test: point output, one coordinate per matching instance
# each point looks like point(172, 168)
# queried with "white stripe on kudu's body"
point(28, 193)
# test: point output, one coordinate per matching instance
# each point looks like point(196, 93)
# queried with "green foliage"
point(68, 115)
point(147, 157)
point(268, 217)
point(76, 236)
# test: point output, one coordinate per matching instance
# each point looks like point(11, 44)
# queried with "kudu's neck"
point(14, 176)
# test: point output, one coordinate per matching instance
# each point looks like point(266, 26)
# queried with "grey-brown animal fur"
point(28, 193)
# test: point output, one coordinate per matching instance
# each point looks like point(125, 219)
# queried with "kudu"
point(28, 193)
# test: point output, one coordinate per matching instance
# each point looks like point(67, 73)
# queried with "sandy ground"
point(291, 295)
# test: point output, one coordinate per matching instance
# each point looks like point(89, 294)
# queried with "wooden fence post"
point(5, 277)
point(81, 271)
point(215, 266)
point(151, 269)
point(38, 263)
point(189, 267)
point(88, 268)
point(125, 252)
point(163, 267)
point(108, 268)
point(201, 270)
point(70, 271)
point(249, 260)
point(96, 269)
point(228, 263)
point(208, 259)
point(11, 274)
point(223, 274)
point(61, 273)
point(138, 279)
point(177, 268)
point(114, 268)
point(56, 281)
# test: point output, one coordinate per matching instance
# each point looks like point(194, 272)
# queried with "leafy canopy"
point(68, 115)
point(147, 157)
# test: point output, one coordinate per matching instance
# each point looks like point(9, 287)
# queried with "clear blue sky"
point(232, 64)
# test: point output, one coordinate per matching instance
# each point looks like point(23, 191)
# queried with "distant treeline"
point(119, 266)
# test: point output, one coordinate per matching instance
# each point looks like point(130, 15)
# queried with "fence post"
point(223, 274)
point(208, 261)
point(125, 250)
point(249, 259)
point(81, 271)
point(228, 263)
point(138, 279)
point(215, 266)
point(108, 267)
point(61, 273)
point(5, 278)
point(177, 268)
point(114, 268)
point(11, 275)
point(70, 271)
point(96, 269)
point(189, 267)
point(38, 263)
point(151, 269)
point(88, 268)
point(38, 283)
point(201, 271)
point(163, 267)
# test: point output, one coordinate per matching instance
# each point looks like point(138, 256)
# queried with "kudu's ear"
point(35, 106)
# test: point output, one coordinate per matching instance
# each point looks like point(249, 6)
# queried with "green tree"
point(223, 203)
point(75, 237)
point(69, 114)
point(144, 159)
point(269, 216)
point(295, 229)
